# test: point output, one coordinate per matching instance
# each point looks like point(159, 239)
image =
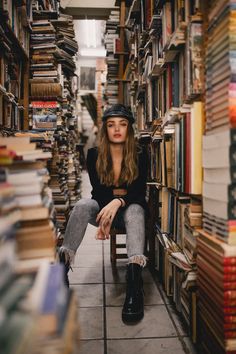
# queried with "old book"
point(196, 130)
point(220, 209)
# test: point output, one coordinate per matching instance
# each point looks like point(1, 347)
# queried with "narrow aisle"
point(101, 295)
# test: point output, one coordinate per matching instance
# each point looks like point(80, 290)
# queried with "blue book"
point(54, 300)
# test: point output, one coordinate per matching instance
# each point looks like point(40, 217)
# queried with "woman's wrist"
point(122, 202)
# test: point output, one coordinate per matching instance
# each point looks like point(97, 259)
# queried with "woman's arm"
point(103, 195)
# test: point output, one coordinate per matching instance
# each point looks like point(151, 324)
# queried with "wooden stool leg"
point(113, 249)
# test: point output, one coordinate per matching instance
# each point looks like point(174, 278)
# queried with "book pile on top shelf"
point(111, 35)
point(216, 246)
point(45, 72)
point(67, 46)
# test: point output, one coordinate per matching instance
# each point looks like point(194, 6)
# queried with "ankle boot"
point(63, 260)
point(133, 308)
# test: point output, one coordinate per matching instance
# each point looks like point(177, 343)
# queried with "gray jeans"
point(85, 211)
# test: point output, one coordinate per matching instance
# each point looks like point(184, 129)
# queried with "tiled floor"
point(101, 295)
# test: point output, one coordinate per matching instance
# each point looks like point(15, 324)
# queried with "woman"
point(118, 172)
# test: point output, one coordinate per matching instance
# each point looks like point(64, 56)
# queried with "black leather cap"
point(118, 110)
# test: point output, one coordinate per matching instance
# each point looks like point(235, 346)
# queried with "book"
point(54, 299)
point(196, 127)
point(217, 246)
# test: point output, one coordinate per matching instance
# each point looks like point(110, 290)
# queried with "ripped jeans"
point(132, 219)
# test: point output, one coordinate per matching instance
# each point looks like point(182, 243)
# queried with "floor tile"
point(156, 323)
point(145, 346)
point(89, 295)
point(91, 346)
point(167, 299)
point(91, 322)
point(89, 250)
point(83, 260)
point(190, 347)
point(177, 320)
point(115, 294)
point(86, 275)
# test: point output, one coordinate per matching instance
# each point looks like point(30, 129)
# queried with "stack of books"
point(67, 46)
point(58, 169)
point(74, 169)
point(216, 262)
point(217, 253)
point(25, 172)
point(38, 311)
point(45, 86)
point(111, 37)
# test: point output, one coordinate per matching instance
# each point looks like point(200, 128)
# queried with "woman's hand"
point(105, 218)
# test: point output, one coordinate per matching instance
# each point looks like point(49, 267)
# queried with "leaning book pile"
point(216, 246)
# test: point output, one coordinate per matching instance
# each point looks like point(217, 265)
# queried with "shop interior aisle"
point(101, 296)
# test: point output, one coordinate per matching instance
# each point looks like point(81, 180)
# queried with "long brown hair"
point(129, 168)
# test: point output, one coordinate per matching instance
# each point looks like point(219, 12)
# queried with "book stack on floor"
point(58, 169)
point(74, 168)
point(38, 312)
point(111, 36)
point(65, 174)
point(217, 252)
point(24, 169)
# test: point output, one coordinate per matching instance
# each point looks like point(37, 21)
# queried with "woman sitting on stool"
point(118, 171)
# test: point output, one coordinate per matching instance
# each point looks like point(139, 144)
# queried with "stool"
point(114, 246)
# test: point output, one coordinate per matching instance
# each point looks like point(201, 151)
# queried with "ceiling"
point(90, 9)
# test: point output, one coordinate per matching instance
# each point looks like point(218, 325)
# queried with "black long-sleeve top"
point(103, 194)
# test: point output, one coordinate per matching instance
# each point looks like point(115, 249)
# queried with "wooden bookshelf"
point(14, 60)
point(166, 74)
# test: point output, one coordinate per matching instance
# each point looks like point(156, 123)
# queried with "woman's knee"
point(134, 211)
point(86, 205)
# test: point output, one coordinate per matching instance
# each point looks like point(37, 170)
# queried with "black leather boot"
point(133, 308)
point(62, 259)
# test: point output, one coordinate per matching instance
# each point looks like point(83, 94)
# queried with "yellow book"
point(197, 118)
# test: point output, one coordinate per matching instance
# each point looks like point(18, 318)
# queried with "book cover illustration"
point(44, 114)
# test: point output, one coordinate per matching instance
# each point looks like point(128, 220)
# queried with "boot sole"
point(134, 317)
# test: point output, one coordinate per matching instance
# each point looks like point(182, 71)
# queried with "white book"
point(219, 140)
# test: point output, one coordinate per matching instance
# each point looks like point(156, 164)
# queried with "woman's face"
point(117, 128)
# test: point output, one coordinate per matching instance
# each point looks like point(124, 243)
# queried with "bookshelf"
point(14, 63)
point(167, 90)
point(181, 72)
